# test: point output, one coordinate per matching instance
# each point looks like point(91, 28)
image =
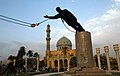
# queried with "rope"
point(15, 19)
point(37, 24)
point(14, 22)
point(67, 27)
point(23, 23)
point(42, 21)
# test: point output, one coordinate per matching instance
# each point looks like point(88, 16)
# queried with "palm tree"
point(30, 60)
point(19, 59)
point(36, 60)
point(30, 53)
point(36, 55)
point(21, 52)
point(11, 58)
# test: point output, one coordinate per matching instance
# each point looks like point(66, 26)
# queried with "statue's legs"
point(79, 27)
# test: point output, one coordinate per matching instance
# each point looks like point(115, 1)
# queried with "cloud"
point(3, 48)
point(11, 48)
point(105, 29)
point(73, 0)
point(117, 1)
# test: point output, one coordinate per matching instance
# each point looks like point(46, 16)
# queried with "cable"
point(42, 21)
point(67, 27)
point(14, 22)
point(15, 19)
point(37, 24)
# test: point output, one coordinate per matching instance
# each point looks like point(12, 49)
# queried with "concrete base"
point(88, 72)
point(73, 70)
point(84, 56)
point(84, 52)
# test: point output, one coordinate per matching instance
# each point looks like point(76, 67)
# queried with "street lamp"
point(106, 49)
point(98, 57)
point(116, 49)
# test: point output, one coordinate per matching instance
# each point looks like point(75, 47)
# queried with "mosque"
point(59, 58)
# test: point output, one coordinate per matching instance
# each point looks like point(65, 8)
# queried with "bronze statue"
point(68, 17)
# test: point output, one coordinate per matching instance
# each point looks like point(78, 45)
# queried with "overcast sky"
point(100, 17)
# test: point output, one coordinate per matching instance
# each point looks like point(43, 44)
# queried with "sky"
point(100, 17)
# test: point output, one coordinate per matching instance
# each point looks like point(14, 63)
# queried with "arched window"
point(65, 63)
point(56, 63)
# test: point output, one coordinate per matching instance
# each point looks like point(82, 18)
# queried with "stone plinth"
point(84, 52)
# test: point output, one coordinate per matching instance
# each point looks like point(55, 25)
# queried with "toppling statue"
point(68, 17)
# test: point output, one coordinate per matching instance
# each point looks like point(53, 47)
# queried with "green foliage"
point(42, 64)
point(36, 54)
point(11, 58)
point(30, 53)
point(103, 61)
point(20, 62)
point(19, 59)
point(21, 52)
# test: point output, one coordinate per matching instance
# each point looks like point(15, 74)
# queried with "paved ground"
point(50, 74)
point(115, 73)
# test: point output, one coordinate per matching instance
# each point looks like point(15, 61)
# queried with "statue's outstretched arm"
point(52, 17)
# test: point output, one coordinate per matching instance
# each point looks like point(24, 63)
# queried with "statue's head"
point(58, 9)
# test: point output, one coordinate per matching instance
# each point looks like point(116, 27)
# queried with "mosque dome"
point(64, 42)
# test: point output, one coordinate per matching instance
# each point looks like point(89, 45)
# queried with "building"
point(59, 58)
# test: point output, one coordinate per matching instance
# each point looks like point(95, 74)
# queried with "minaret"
point(48, 45)
point(48, 40)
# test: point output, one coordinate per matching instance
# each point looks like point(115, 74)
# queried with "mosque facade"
point(59, 58)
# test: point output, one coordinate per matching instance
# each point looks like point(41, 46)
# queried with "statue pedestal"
point(84, 55)
point(84, 52)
